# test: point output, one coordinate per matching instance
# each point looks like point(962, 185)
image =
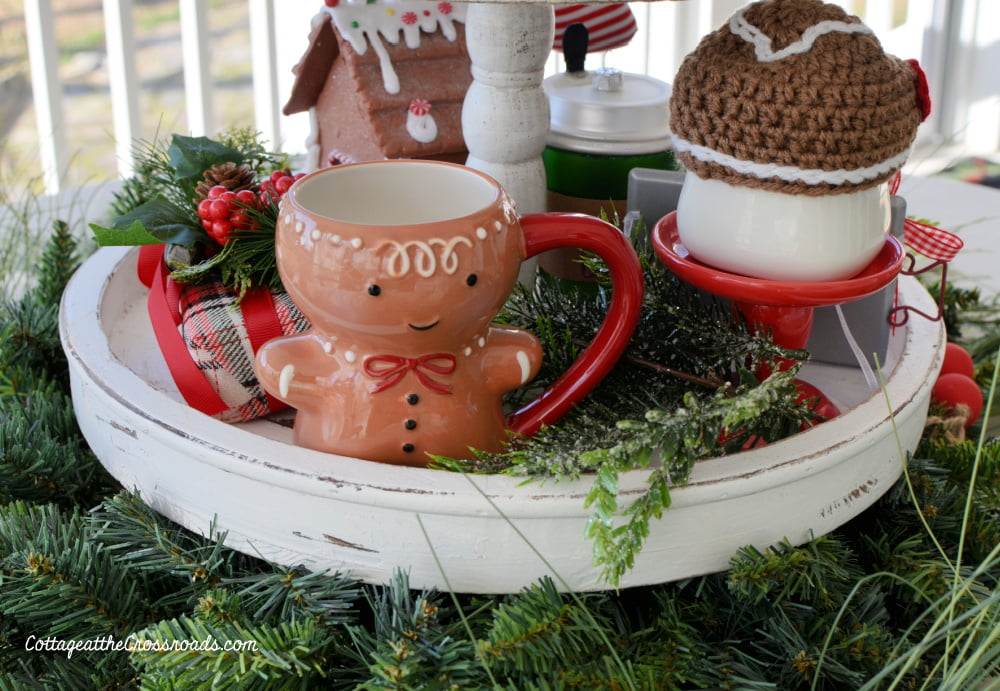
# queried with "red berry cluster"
point(224, 211)
point(274, 188)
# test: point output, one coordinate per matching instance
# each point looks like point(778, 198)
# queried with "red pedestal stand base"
point(784, 308)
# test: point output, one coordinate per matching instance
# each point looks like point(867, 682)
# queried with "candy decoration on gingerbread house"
point(384, 79)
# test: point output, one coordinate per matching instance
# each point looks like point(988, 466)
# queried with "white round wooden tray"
point(468, 533)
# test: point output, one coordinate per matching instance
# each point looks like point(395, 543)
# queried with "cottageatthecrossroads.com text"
point(133, 644)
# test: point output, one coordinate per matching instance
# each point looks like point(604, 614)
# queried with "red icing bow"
point(390, 369)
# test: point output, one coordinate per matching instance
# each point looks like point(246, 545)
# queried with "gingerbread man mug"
point(400, 267)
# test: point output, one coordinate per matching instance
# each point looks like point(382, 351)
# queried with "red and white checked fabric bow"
point(390, 369)
point(610, 26)
point(933, 243)
point(930, 241)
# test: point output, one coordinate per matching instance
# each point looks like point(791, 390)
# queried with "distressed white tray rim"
point(479, 534)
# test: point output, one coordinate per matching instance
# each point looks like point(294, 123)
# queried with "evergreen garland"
point(880, 603)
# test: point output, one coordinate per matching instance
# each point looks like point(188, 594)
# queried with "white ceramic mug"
point(782, 237)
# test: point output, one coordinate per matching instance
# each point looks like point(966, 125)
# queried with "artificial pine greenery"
point(881, 603)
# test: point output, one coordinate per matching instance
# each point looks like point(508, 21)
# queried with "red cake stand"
point(784, 308)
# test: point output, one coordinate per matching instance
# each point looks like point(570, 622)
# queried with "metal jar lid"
point(608, 112)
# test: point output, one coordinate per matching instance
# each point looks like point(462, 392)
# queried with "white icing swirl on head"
point(426, 257)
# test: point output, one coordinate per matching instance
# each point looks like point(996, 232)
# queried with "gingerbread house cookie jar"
point(384, 79)
point(790, 120)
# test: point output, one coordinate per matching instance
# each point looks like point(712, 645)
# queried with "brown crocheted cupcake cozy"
point(843, 106)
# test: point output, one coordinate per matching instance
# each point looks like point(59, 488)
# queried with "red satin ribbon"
point(262, 324)
point(163, 304)
point(165, 315)
point(390, 369)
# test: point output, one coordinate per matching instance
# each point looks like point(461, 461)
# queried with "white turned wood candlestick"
point(505, 117)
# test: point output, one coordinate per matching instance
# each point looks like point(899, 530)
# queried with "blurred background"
point(957, 42)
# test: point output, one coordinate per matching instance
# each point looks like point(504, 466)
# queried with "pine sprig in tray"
point(685, 391)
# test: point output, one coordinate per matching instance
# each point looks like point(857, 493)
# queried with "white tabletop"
point(972, 212)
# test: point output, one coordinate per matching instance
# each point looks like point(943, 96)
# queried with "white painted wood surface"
point(197, 51)
point(473, 534)
point(971, 211)
point(123, 81)
point(47, 92)
point(505, 116)
point(267, 98)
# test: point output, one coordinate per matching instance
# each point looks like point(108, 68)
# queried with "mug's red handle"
point(546, 231)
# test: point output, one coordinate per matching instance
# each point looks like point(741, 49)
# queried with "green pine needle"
point(188, 653)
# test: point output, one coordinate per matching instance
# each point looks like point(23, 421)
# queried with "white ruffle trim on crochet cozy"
point(808, 176)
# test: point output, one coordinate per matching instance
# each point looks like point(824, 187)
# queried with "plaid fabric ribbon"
point(930, 241)
point(208, 338)
point(609, 26)
point(223, 336)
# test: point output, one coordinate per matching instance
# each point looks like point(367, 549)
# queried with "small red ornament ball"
point(957, 360)
point(224, 210)
point(822, 405)
point(952, 389)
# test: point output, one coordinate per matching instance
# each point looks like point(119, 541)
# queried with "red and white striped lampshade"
point(610, 26)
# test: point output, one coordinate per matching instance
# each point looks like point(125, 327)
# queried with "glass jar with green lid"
point(604, 123)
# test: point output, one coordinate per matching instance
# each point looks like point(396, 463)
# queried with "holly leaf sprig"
point(160, 205)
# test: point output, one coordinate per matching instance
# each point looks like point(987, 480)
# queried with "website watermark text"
point(133, 644)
